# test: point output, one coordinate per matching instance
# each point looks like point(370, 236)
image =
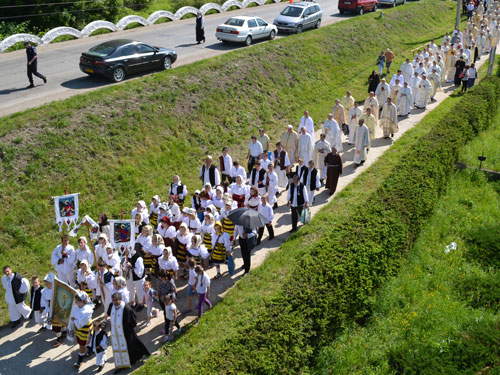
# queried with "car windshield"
point(102, 50)
point(234, 22)
point(292, 11)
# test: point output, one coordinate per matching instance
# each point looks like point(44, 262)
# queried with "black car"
point(117, 58)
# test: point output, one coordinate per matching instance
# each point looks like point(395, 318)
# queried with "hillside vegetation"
point(440, 315)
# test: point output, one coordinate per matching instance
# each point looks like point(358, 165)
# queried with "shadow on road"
point(185, 45)
point(224, 46)
point(85, 83)
point(10, 91)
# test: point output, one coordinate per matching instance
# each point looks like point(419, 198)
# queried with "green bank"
point(440, 315)
point(123, 143)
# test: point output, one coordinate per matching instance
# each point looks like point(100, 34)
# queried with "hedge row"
point(337, 282)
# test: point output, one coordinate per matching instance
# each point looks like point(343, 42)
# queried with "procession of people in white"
point(175, 242)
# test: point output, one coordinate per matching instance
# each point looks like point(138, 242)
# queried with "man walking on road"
point(32, 64)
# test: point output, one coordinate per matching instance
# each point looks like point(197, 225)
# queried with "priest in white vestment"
point(361, 143)
point(395, 92)
point(307, 122)
point(372, 103)
point(435, 79)
point(370, 122)
point(405, 101)
point(332, 132)
point(397, 77)
point(305, 145)
point(389, 119)
point(353, 116)
point(383, 91)
point(321, 149)
point(407, 70)
point(422, 95)
point(348, 103)
point(338, 113)
point(414, 85)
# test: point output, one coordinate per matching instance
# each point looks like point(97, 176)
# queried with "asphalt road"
point(59, 62)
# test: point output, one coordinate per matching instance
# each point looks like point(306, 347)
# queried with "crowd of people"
point(178, 240)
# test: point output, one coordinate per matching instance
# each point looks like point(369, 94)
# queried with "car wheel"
point(394, 4)
point(375, 8)
point(318, 24)
point(167, 63)
point(361, 11)
point(299, 29)
point(248, 40)
point(272, 35)
point(119, 74)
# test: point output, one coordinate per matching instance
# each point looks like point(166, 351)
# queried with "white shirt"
point(46, 298)
point(181, 194)
point(293, 200)
point(82, 315)
point(307, 182)
point(7, 284)
point(90, 279)
point(308, 123)
point(192, 277)
point(273, 179)
point(113, 261)
point(138, 266)
point(267, 212)
point(395, 77)
point(170, 311)
point(68, 262)
point(228, 162)
point(85, 255)
point(206, 176)
point(255, 148)
point(240, 171)
point(203, 283)
point(168, 232)
point(168, 263)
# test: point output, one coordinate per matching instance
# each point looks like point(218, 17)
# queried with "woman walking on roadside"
point(202, 283)
point(381, 63)
point(200, 28)
point(465, 79)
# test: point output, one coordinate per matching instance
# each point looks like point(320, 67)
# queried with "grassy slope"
point(123, 143)
point(440, 315)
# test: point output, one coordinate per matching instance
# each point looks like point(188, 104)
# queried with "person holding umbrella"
point(247, 240)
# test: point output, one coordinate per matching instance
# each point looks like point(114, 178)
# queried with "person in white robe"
point(305, 145)
point(353, 117)
point(289, 143)
point(370, 122)
point(389, 118)
point(281, 163)
point(332, 132)
point(347, 102)
point(307, 122)
point(414, 85)
point(272, 185)
point(383, 91)
point(440, 63)
point(372, 103)
point(422, 95)
point(397, 77)
point(481, 44)
point(395, 92)
point(450, 66)
point(405, 101)
point(339, 113)
point(435, 79)
point(420, 70)
point(361, 143)
point(407, 70)
point(63, 259)
point(321, 149)
point(16, 290)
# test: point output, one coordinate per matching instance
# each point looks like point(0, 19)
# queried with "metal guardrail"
point(124, 22)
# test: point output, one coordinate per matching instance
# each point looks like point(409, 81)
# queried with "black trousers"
point(32, 70)
point(246, 246)
point(225, 177)
point(260, 231)
point(296, 212)
point(251, 162)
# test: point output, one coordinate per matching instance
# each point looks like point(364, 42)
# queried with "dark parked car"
point(117, 58)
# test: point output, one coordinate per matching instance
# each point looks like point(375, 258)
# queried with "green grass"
point(123, 143)
point(440, 314)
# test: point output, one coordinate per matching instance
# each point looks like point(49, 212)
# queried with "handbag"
point(305, 216)
point(345, 129)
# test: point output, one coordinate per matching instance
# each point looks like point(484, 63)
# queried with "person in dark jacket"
point(35, 301)
point(32, 64)
point(373, 81)
point(200, 28)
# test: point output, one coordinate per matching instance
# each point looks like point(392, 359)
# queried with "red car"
point(357, 6)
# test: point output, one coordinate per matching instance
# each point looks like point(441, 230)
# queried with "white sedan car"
point(245, 29)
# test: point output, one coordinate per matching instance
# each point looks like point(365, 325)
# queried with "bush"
point(337, 281)
point(485, 247)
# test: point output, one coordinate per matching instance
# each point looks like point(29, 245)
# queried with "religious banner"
point(86, 221)
point(66, 210)
point(122, 235)
point(63, 299)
